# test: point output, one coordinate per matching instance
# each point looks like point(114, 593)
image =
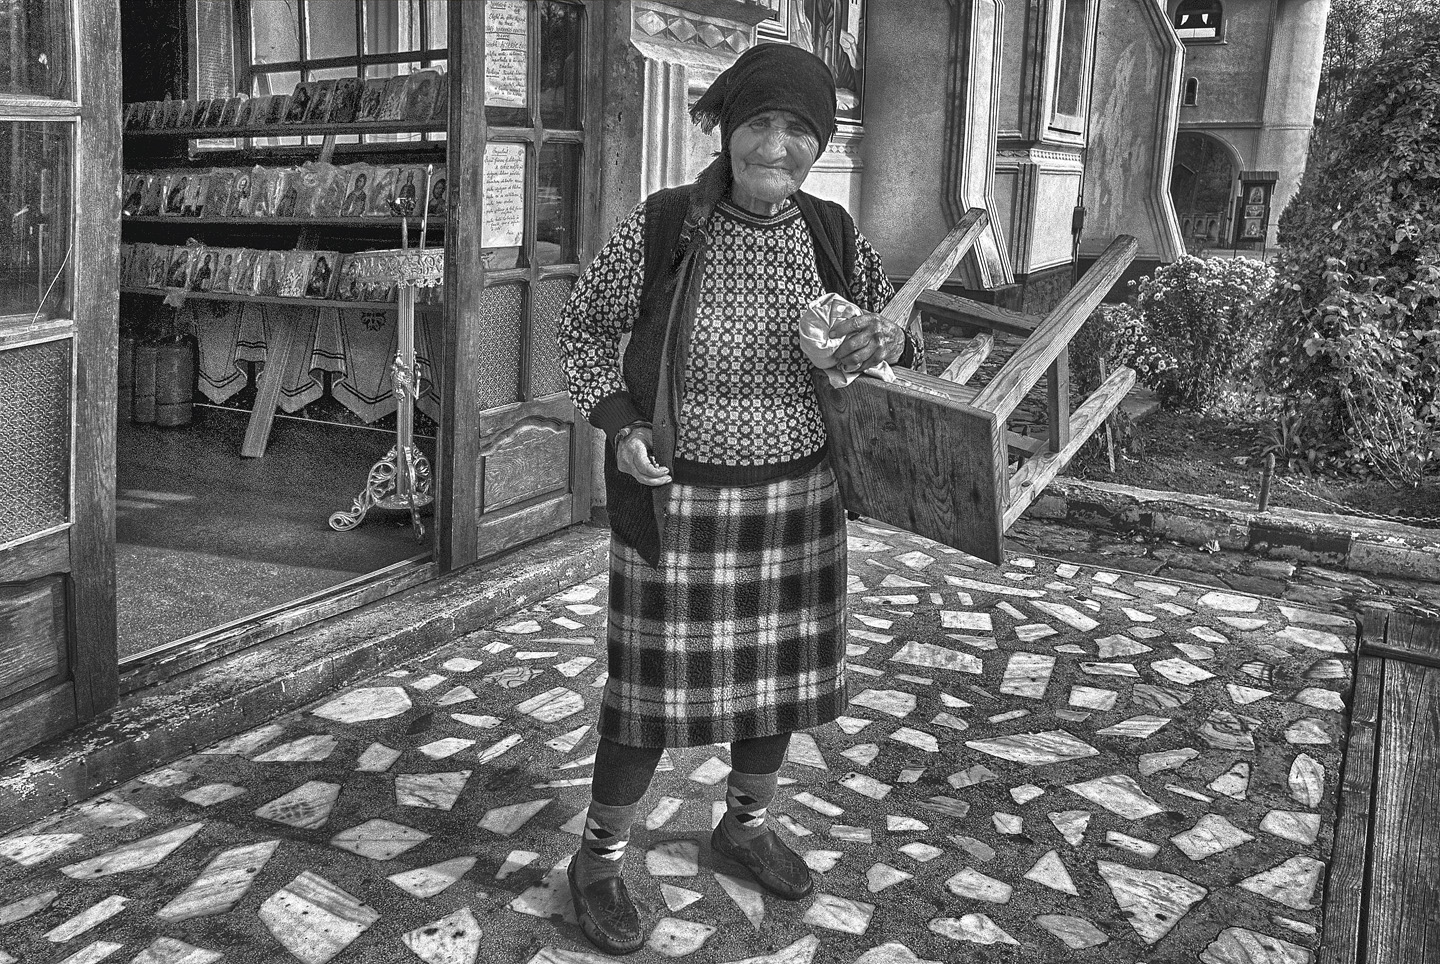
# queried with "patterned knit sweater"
point(747, 397)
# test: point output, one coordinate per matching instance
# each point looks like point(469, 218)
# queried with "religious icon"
point(175, 197)
point(355, 200)
point(222, 273)
point(1254, 210)
point(204, 276)
point(299, 103)
point(1254, 229)
point(239, 206)
point(319, 285)
point(1256, 196)
point(436, 205)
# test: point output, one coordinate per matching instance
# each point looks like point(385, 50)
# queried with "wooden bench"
point(931, 454)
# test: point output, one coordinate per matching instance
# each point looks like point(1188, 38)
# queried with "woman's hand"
point(634, 458)
point(869, 340)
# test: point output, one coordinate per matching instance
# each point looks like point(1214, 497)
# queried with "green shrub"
point(1356, 355)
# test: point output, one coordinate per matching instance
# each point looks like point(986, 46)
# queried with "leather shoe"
point(774, 865)
point(606, 914)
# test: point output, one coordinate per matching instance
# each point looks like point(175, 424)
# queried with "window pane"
point(35, 56)
point(392, 26)
point(330, 28)
point(35, 214)
point(560, 50)
point(557, 186)
point(507, 62)
point(274, 31)
point(1068, 81)
point(438, 29)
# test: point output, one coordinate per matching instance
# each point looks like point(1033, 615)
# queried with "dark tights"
point(622, 773)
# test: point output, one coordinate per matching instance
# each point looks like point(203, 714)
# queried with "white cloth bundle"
point(819, 345)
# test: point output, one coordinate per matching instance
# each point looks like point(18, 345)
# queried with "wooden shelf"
point(386, 222)
point(264, 299)
point(289, 130)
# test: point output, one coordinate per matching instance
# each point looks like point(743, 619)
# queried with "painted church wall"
point(1232, 74)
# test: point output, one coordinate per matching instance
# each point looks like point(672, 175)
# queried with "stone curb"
point(243, 690)
point(1334, 541)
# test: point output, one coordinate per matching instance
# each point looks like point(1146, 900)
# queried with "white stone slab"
point(246, 743)
point(1292, 825)
point(821, 806)
point(919, 851)
point(747, 896)
point(1233, 783)
point(1318, 639)
point(315, 920)
point(1076, 933)
point(665, 808)
point(307, 749)
point(678, 898)
point(168, 950)
point(307, 807)
point(34, 848)
point(1227, 731)
point(840, 914)
point(369, 703)
point(225, 880)
point(518, 860)
point(1027, 675)
point(434, 791)
point(446, 747)
point(1035, 749)
point(454, 939)
point(861, 835)
point(711, 772)
point(1321, 699)
point(506, 820)
point(1212, 834)
point(937, 657)
point(1110, 669)
point(1307, 780)
point(1291, 883)
point(566, 742)
point(916, 738)
point(498, 749)
point(1071, 824)
point(139, 855)
point(379, 839)
point(1049, 871)
point(882, 875)
point(1307, 732)
point(426, 882)
point(1119, 794)
point(1024, 794)
point(972, 884)
point(1195, 651)
point(866, 786)
point(1066, 614)
point(1136, 727)
point(1153, 901)
point(549, 898)
point(1236, 945)
point(1230, 602)
point(972, 621)
point(673, 937)
point(673, 858)
point(1181, 671)
point(862, 754)
point(1110, 647)
point(1092, 698)
point(552, 705)
point(1134, 845)
point(974, 928)
point(895, 703)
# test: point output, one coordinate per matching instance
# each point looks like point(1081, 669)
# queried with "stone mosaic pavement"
point(1044, 762)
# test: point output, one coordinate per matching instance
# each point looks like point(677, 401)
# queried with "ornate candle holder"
point(402, 479)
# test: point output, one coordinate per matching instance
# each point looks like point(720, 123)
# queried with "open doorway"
point(257, 388)
point(1202, 187)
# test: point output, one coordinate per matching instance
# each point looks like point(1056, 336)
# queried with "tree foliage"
point(1357, 351)
point(1357, 35)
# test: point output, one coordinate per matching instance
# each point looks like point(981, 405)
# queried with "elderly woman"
point(727, 572)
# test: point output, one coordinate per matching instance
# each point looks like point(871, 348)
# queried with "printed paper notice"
point(503, 222)
point(507, 50)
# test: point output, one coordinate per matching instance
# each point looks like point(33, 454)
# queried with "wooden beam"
point(1346, 890)
point(966, 311)
point(290, 337)
point(938, 267)
point(1405, 838)
point(1408, 638)
point(1030, 479)
point(971, 357)
point(457, 466)
point(1026, 367)
point(95, 270)
point(1057, 400)
point(43, 555)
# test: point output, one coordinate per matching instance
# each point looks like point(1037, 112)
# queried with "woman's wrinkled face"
point(770, 156)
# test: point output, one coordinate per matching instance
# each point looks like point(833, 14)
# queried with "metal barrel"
point(143, 382)
point(125, 382)
point(175, 382)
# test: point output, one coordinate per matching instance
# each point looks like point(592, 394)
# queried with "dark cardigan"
point(658, 340)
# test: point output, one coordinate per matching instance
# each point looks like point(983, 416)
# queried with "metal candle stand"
point(401, 480)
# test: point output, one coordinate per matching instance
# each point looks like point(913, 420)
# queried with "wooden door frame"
point(96, 274)
point(460, 441)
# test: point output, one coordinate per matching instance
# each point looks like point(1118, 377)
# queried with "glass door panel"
point(35, 206)
point(35, 49)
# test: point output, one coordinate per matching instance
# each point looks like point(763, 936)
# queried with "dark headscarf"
point(769, 76)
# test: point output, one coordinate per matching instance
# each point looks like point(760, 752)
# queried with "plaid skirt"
point(740, 632)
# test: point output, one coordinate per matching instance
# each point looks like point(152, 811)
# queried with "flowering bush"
point(1357, 349)
point(1189, 328)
